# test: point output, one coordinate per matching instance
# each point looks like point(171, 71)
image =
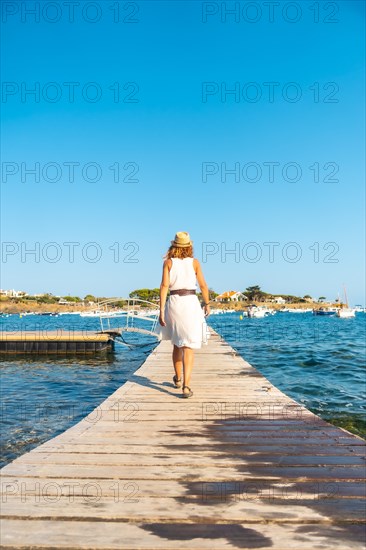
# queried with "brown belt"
point(182, 292)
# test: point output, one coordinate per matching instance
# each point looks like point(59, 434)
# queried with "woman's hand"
point(207, 310)
point(162, 319)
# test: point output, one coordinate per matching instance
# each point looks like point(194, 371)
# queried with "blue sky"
point(169, 134)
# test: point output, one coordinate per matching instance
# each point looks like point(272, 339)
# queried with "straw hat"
point(182, 239)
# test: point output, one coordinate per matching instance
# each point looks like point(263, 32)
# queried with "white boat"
point(255, 312)
point(346, 312)
point(96, 313)
point(147, 313)
point(259, 312)
point(216, 311)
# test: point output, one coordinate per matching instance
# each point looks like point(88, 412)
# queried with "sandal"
point(189, 393)
point(177, 381)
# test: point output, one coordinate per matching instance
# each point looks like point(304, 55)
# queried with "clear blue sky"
point(170, 132)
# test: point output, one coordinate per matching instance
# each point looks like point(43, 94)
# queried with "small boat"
point(259, 312)
point(146, 313)
point(111, 313)
point(325, 311)
point(346, 312)
point(97, 313)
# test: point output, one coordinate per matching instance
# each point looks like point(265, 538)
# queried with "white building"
point(279, 300)
point(231, 296)
point(13, 293)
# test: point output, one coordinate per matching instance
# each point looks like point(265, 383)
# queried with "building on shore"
point(278, 300)
point(13, 293)
point(231, 296)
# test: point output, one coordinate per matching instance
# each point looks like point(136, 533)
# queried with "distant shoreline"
point(33, 307)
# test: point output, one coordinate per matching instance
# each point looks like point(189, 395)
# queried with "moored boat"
point(259, 311)
point(346, 312)
point(325, 311)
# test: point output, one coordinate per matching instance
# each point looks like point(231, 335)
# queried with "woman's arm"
point(203, 286)
point(164, 287)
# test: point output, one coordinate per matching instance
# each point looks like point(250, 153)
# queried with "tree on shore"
point(211, 294)
point(72, 298)
point(90, 298)
point(321, 299)
point(255, 294)
point(47, 299)
point(149, 294)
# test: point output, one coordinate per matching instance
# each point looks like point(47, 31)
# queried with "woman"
point(181, 317)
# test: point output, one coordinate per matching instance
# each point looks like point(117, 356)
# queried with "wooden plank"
point(209, 450)
point(193, 459)
point(209, 510)
point(251, 489)
point(114, 535)
point(185, 472)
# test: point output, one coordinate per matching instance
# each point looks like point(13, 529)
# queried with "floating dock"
point(57, 341)
point(238, 465)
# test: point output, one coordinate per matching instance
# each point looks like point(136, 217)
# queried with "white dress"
point(184, 317)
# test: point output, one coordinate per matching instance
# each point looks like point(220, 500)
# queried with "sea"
point(318, 361)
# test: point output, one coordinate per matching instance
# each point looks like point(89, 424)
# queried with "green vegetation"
point(354, 423)
point(149, 294)
point(71, 298)
point(120, 304)
point(47, 299)
point(255, 294)
point(211, 293)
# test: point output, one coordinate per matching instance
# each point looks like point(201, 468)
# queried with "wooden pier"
point(238, 465)
point(57, 342)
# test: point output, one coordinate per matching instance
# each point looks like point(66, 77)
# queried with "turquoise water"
point(43, 396)
point(318, 361)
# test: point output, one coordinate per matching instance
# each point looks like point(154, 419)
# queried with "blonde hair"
point(180, 252)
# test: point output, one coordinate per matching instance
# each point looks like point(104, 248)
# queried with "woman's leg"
point(188, 358)
point(178, 361)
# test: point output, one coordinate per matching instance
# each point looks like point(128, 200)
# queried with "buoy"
point(241, 317)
